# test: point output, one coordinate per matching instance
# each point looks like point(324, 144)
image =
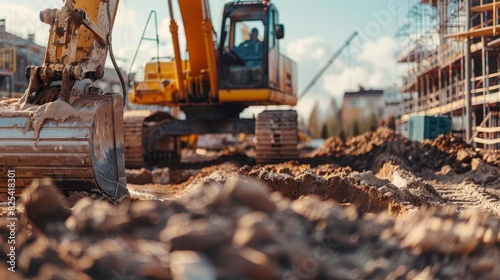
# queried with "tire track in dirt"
point(468, 195)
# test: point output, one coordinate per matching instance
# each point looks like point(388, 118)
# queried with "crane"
point(328, 63)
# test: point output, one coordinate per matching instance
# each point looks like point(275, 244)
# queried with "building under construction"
point(433, 51)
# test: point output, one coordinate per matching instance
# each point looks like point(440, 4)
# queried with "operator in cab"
point(252, 45)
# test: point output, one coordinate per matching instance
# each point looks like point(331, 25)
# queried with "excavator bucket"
point(79, 146)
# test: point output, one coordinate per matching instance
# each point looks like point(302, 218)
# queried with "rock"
point(97, 216)
point(51, 271)
point(182, 233)
point(483, 173)
point(201, 196)
point(253, 228)
point(465, 155)
point(44, 206)
point(140, 177)
point(190, 265)
point(245, 263)
point(160, 176)
point(251, 192)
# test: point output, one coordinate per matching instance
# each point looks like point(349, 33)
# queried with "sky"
point(314, 31)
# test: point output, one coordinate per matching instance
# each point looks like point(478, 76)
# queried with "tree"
point(315, 125)
point(333, 121)
point(355, 128)
point(372, 122)
point(342, 135)
point(381, 123)
point(324, 131)
point(391, 122)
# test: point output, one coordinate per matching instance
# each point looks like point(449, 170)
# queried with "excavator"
point(66, 128)
point(221, 76)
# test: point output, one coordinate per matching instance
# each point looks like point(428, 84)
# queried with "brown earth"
point(377, 206)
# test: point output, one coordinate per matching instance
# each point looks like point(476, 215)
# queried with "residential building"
point(16, 53)
point(361, 110)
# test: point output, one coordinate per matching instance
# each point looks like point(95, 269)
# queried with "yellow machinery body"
point(223, 75)
point(160, 86)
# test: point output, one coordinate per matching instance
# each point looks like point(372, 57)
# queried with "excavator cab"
point(248, 46)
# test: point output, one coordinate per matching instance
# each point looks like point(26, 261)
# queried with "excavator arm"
point(64, 127)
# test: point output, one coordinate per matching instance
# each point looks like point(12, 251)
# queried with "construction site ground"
point(376, 206)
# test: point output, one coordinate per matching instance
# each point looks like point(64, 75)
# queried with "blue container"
point(428, 127)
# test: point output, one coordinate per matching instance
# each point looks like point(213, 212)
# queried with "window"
point(243, 48)
point(271, 29)
point(245, 31)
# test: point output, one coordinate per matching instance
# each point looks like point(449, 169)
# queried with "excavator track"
point(163, 153)
point(277, 138)
point(133, 122)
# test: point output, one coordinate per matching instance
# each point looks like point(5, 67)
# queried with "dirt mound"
point(491, 157)
point(446, 153)
point(365, 190)
point(158, 176)
point(235, 228)
point(359, 144)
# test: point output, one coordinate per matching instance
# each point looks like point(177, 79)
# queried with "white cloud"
point(380, 53)
point(23, 20)
point(372, 66)
point(125, 17)
point(308, 48)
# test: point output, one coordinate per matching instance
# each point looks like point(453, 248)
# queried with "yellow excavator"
point(221, 76)
point(66, 128)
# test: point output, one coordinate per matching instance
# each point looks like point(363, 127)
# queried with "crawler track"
point(276, 132)
point(133, 123)
point(469, 195)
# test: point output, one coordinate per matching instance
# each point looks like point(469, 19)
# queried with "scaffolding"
point(432, 50)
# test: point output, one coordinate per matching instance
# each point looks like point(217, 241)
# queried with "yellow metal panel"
point(475, 33)
point(167, 71)
point(97, 12)
point(152, 93)
point(257, 97)
point(238, 95)
point(484, 7)
point(192, 17)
